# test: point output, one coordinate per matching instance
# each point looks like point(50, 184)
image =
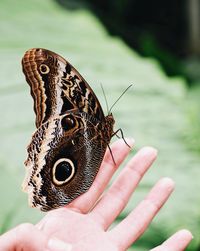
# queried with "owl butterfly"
point(72, 133)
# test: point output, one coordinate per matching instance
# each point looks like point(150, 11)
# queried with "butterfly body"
point(72, 133)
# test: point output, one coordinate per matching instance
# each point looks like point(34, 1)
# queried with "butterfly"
point(66, 150)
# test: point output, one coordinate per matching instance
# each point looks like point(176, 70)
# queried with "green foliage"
point(150, 47)
point(192, 133)
point(152, 111)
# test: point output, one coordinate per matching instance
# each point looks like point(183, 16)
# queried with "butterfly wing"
point(57, 87)
point(72, 133)
point(62, 161)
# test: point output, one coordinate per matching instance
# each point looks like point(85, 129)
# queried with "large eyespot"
point(44, 69)
point(63, 171)
point(68, 122)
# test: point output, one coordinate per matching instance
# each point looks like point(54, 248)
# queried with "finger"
point(28, 237)
point(23, 237)
point(86, 201)
point(113, 202)
point(177, 242)
point(137, 221)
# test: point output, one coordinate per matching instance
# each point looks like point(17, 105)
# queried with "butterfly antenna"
point(119, 98)
point(105, 98)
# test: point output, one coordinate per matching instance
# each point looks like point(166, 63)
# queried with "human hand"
point(83, 224)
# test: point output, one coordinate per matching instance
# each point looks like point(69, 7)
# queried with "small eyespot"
point(63, 171)
point(44, 69)
point(68, 122)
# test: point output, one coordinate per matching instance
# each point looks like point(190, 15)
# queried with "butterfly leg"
point(122, 136)
point(111, 155)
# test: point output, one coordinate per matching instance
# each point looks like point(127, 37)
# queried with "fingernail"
point(58, 245)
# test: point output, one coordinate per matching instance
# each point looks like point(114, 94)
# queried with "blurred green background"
point(113, 43)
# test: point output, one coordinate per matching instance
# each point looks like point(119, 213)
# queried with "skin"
point(83, 224)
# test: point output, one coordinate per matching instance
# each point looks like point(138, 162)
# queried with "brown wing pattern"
point(57, 87)
point(72, 133)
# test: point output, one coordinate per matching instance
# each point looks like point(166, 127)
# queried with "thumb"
point(24, 237)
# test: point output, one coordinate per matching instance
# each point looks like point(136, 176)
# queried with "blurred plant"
point(193, 112)
point(8, 217)
point(168, 31)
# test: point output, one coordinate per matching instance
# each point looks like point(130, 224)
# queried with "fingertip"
point(186, 234)
point(178, 241)
point(150, 150)
point(130, 142)
point(165, 186)
point(161, 191)
point(126, 141)
point(146, 155)
point(167, 182)
point(119, 149)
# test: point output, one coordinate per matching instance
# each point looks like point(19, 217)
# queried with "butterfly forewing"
point(57, 87)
